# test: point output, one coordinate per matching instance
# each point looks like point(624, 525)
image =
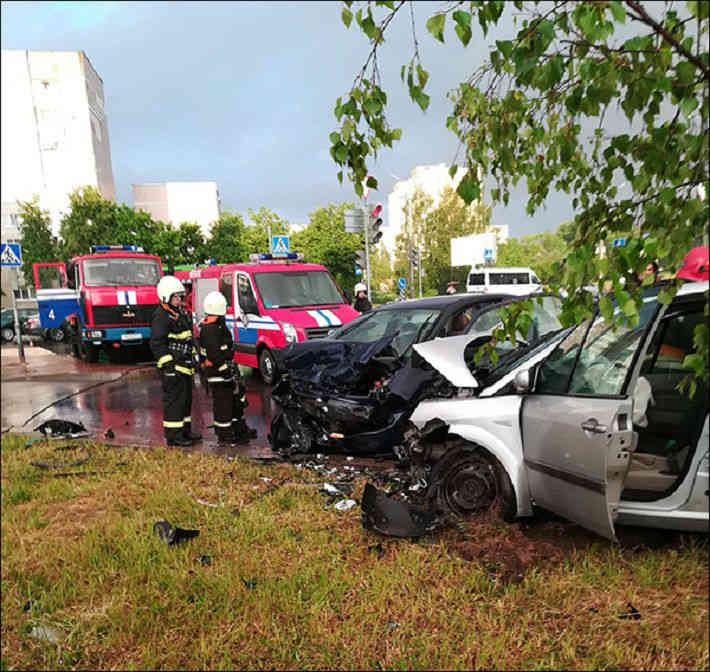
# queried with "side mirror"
point(522, 381)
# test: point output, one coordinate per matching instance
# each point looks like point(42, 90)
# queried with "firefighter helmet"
point(215, 304)
point(360, 287)
point(168, 286)
point(696, 265)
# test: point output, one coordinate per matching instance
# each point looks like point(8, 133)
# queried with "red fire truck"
point(103, 299)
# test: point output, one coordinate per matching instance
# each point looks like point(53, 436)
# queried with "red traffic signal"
point(377, 210)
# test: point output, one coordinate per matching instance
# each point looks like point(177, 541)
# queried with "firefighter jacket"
point(216, 349)
point(171, 339)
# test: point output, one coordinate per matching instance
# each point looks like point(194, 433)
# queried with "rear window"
point(476, 279)
point(509, 278)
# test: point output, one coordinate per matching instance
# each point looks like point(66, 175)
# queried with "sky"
point(243, 93)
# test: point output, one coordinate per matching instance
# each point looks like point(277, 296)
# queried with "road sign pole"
point(367, 248)
point(18, 331)
point(419, 265)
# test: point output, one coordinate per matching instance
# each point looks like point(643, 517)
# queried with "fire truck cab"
point(103, 299)
point(272, 303)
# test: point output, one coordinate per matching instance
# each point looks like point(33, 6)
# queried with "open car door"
point(55, 299)
point(577, 424)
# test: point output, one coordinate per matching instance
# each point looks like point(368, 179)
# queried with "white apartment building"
point(177, 202)
point(54, 135)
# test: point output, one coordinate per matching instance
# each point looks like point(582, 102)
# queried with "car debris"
point(205, 560)
point(394, 518)
point(250, 583)
point(57, 428)
point(173, 535)
point(28, 605)
point(41, 464)
point(377, 548)
point(345, 504)
point(47, 633)
point(108, 434)
point(632, 613)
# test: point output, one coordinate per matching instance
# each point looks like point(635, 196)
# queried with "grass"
point(291, 585)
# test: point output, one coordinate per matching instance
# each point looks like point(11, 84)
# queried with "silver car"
point(591, 425)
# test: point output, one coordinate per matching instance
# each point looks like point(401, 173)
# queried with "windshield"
point(121, 271)
point(413, 326)
point(297, 288)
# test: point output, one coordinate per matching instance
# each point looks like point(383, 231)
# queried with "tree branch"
point(667, 36)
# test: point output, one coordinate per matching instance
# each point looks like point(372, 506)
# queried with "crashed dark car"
point(354, 392)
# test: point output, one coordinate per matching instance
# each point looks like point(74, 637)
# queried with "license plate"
point(131, 337)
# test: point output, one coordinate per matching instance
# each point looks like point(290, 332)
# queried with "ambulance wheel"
point(267, 367)
point(8, 334)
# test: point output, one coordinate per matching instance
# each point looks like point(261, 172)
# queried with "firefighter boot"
point(189, 435)
point(225, 436)
point(175, 438)
point(242, 431)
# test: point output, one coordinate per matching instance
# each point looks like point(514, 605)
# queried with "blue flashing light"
point(294, 256)
point(110, 248)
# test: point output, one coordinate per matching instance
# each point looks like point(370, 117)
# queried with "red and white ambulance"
point(272, 303)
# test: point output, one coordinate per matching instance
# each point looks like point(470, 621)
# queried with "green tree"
point(381, 279)
point(192, 245)
point(36, 238)
point(226, 243)
point(256, 237)
point(452, 218)
point(540, 251)
point(324, 241)
point(526, 113)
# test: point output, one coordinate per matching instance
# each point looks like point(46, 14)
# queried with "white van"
point(515, 280)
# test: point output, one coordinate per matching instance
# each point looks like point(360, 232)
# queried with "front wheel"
point(8, 334)
point(467, 481)
point(267, 367)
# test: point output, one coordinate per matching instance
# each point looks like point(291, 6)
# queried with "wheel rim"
point(469, 487)
point(267, 365)
point(57, 335)
point(8, 334)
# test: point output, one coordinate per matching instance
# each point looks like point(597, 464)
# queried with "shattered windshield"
point(297, 288)
point(409, 325)
point(121, 271)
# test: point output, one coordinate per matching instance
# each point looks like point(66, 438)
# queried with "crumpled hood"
point(446, 355)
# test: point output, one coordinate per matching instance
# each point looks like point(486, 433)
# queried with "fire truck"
point(104, 299)
point(272, 302)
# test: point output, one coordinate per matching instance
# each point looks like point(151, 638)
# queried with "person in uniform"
point(228, 391)
point(172, 347)
point(362, 303)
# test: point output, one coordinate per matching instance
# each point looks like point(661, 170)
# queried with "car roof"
point(502, 269)
point(444, 301)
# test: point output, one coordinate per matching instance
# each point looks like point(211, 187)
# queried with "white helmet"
point(168, 286)
point(215, 304)
point(360, 287)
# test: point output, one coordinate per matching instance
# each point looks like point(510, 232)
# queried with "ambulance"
point(272, 302)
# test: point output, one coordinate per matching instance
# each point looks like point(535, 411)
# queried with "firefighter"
point(228, 391)
point(362, 303)
point(172, 346)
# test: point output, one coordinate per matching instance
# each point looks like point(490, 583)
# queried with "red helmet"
point(696, 265)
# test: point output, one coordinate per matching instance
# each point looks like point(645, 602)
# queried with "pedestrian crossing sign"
point(279, 246)
point(11, 254)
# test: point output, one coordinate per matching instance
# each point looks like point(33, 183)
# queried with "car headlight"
point(289, 332)
point(96, 334)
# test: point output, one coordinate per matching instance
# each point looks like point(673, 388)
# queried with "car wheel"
point(8, 334)
point(55, 335)
point(267, 367)
point(468, 481)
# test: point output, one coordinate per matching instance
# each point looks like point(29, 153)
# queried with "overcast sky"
point(242, 93)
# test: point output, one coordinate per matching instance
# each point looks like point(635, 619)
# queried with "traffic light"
point(414, 257)
point(374, 225)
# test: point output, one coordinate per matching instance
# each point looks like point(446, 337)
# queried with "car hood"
point(446, 355)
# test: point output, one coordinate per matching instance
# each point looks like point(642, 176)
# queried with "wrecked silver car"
point(356, 397)
point(589, 424)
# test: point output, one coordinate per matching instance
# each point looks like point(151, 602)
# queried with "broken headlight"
point(289, 332)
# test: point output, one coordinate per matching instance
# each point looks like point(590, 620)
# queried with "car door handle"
point(592, 425)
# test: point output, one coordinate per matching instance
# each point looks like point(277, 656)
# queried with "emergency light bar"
point(110, 248)
point(291, 256)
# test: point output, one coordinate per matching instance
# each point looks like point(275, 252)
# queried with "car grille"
point(317, 332)
point(117, 314)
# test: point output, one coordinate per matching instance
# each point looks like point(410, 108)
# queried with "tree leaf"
point(469, 188)
point(464, 34)
point(435, 25)
point(371, 182)
point(346, 16)
point(618, 11)
point(423, 76)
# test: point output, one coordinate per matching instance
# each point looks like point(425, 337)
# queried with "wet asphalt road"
point(124, 396)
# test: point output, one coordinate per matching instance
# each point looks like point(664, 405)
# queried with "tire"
point(468, 481)
point(88, 352)
point(267, 367)
point(8, 334)
point(56, 335)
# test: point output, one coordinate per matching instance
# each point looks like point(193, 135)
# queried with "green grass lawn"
point(292, 585)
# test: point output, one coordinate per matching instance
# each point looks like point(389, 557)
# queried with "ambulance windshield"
point(297, 288)
point(121, 271)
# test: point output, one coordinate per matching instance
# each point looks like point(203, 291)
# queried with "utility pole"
point(410, 231)
point(419, 266)
point(367, 245)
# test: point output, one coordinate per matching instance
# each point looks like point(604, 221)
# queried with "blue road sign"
point(488, 253)
point(401, 284)
point(11, 254)
point(619, 242)
point(279, 245)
